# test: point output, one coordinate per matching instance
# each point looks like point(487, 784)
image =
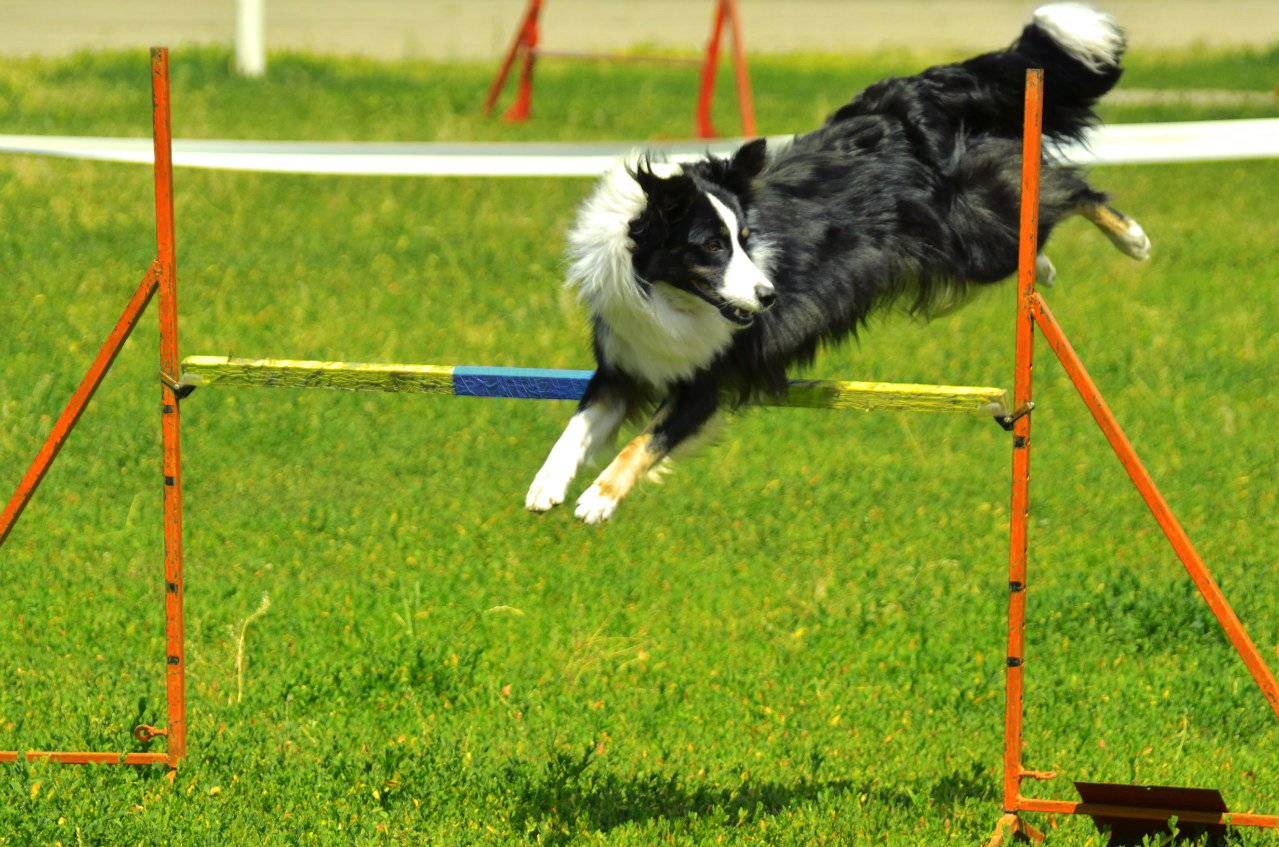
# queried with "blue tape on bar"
point(519, 383)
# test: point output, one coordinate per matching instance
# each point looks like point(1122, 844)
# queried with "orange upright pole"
point(170, 421)
point(1022, 397)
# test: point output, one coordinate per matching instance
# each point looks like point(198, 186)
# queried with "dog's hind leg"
point(1045, 273)
point(681, 416)
point(594, 426)
point(1124, 232)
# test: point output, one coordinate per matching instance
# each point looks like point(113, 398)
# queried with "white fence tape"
point(1110, 145)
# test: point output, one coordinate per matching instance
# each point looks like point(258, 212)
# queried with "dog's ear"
point(670, 197)
point(736, 174)
point(749, 161)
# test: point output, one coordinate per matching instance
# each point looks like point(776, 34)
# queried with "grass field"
point(798, 639)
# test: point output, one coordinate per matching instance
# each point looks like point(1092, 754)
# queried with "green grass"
point(798, 639)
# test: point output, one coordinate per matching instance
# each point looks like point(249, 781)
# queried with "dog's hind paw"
point(1133, 241)
point(594, 506)
point(1045, 273)
point(545, 493)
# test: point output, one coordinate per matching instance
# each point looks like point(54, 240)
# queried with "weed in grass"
point(239, 634)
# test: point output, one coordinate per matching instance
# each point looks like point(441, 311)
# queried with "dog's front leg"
point(595, 425)
point(683, 415)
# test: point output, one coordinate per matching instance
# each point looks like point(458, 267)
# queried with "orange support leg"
point(1143, 813)
point(79, 400)
point(1012, 825)
point(525, 41)
point(710, 68)
point(745, 99)
point(726, 11)
point(75, 758)
point(1167, 521)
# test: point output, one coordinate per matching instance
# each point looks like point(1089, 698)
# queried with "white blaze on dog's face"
point(743, 284)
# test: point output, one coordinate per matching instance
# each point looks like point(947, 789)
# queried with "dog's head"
point(692, 234)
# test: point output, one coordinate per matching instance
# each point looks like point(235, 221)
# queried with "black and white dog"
point(708, 280)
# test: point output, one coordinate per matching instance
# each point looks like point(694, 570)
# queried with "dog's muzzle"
point(765, 297)
point(737, 313)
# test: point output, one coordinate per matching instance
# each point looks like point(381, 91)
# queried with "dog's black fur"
point(908, 194)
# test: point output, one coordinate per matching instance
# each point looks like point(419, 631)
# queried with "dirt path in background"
point(481, 28)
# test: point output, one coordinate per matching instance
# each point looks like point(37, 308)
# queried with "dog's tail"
point(1080, 50)
point(1078, 47)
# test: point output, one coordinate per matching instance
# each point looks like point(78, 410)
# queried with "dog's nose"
point(766, 295)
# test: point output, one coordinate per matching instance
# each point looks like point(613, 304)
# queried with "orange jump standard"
point(1032, 313)
point(161, 276)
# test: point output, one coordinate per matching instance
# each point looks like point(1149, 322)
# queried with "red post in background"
point(725, 11)
point(524, 48)
point(525, 44)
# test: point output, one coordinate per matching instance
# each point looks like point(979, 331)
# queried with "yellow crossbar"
point(548, 384)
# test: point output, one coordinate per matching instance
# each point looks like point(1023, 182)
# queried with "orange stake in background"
point(524, 47)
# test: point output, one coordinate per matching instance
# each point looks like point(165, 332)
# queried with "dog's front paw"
point(545, 493)
point(594, 506)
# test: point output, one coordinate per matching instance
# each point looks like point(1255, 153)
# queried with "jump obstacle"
point(1121, 803)
point(525, 48)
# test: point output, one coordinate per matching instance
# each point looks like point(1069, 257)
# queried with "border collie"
point(707, 281)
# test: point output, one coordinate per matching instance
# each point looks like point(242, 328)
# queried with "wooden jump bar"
point(549, 384)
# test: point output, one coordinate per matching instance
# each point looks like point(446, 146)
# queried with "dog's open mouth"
point(734, 315)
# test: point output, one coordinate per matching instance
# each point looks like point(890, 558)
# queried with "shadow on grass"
point(569, 797)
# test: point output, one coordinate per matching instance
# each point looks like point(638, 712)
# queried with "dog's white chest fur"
point(670, 339)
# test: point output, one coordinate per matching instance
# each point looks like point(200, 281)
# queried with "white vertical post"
point(250, 37)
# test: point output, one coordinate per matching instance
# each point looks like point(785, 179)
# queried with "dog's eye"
point(746, 233)
point(714, 245)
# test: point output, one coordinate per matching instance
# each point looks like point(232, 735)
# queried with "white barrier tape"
point(1110, 145)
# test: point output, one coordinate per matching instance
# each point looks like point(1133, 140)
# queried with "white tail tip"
point(1090, 36)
